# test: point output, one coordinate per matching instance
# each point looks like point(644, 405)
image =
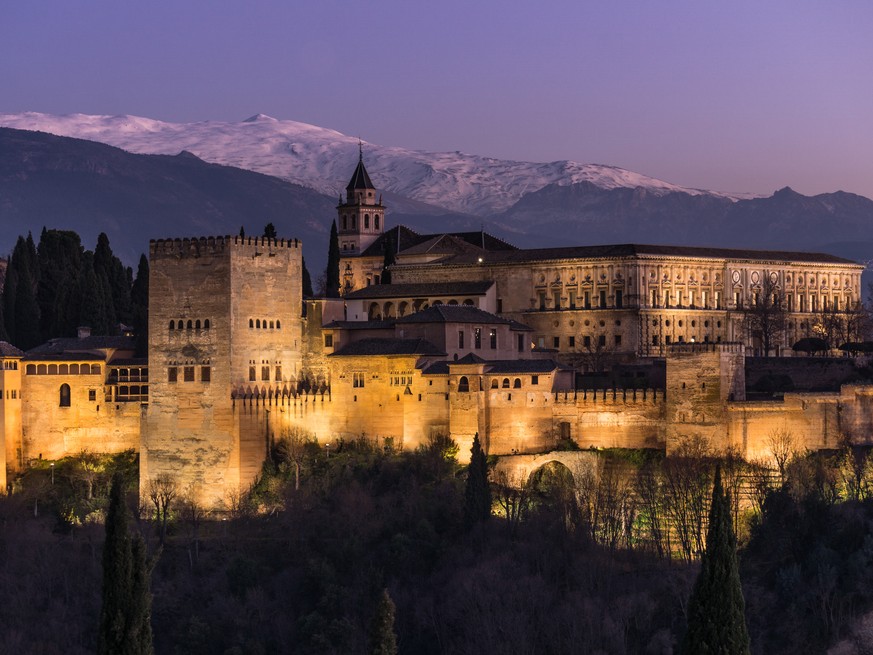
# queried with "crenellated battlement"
point(610, 396)
point(687, 348)
point(202, 246)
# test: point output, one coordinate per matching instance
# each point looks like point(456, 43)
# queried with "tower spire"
point(360, 151)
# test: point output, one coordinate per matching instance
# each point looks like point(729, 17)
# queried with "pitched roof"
point(470, 358)
point(636, 250)
point(360, 325)
point(74, 344)
point(405, 239)
point(8, 350)
point(426, 289)
point(360, 179)
point(389, 347)
point(453, 314)
point(442, 244)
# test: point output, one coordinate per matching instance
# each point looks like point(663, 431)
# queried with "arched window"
point(366, 221)
point(278, 325)
point(463, 384)
point(271, 325)
point(264, 324)
point(190, 324)
point(63, 369)
point(41, 369)
point(172, 324)
point(494, 383)
point(376, 221)
point(197, 324)
point(517, 383)
point(53, 369)
point(468, 302)
point(64, 396)
point(31, 369)
point(74, 369)
point(251, 322)
point(506, 383)
point(258, 324)
point(180, 325)
point(453, 302)
point(95, 369)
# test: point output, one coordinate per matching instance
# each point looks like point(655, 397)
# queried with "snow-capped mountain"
point(322, 159)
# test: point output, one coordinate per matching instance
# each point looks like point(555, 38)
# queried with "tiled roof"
point(73, 344)
point(422, 290)
point(389, 347)
point(633, 250)
point(470, 358)
point(360, 179)
point(409, 239)
point(453, 314)
point(8, 350)
point(442, 244)
point(130, 361)
point(360, 325)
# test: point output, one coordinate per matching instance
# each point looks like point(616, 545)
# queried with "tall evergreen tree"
point(60, 260)
point(477, 493)
point(390, 256)
point(307, 280)
point(333, 264)
point(270, 231)
point(125, 616)
point(10, 290)
point(139, 301)
point(19, 296)
point(716, 611)
point(383, 641)
point(115, 280)
point(94, 311)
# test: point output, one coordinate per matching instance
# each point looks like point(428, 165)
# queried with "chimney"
point(84, 332)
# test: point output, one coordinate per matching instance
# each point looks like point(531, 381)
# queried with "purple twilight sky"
point(744, 96)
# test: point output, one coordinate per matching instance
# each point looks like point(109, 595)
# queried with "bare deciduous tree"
point(162, 490)
point(765, 319)
point(783, 449)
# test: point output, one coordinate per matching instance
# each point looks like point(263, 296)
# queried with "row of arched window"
point(190, 324)
point(10, 365)
point(264, 324)
point(62, 369)
point(464, 383)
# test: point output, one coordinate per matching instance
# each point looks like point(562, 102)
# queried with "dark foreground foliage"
point(305, 574)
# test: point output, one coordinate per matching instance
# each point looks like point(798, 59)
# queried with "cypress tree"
point(477, 493)
point(716, 611)
point(390, 248)
point(10, 290)
point(60, 260)
point(333, 264)
point(383, 641)
point(139, 301)
point(270, 231)
point(125, 616)
point(307, 280)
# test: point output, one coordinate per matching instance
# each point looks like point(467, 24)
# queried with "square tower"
point(361, 218)
point(224, 323)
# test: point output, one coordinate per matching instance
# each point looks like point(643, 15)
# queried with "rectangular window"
point(654, 339)
point(172, 374)
point(587, 299)
point(813, 303)
point(534, 379)
point(601, 341)
point(572, 343)
point(205, 373)
point(92, 395)
point(703, 299)
point(358, 380)
point(718, 299)
point(460, 339)
point(801, 303)
point(492, 337)
point(278, 377)
point(654, 297)
point(328, 341)
point(617, 339)
point(477, 338)
point(572, 300)
point(541, 342)
point(619, 299)
point(556, 299)
point(668, 340)
point(738, 300)
point(556, 342)
point(666, 297)
point(265, 373)
point(521, 343)
point(189, 374)
point(541, 295)
point(252, 375)
point(586, 341)
point(691, 299)
point(602, 299)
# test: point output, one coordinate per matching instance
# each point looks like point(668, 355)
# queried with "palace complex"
point(472, 335)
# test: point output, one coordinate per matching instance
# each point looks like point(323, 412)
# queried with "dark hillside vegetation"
point(300, 564)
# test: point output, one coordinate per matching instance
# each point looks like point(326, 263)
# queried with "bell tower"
point(361, 218)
